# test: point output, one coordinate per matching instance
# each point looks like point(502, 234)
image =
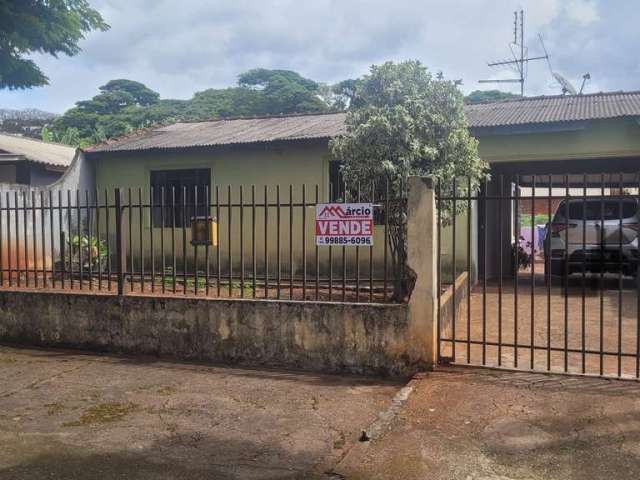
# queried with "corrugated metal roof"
point(532, 110)
point(561, 108)
point(38, 151)
point(230, 131)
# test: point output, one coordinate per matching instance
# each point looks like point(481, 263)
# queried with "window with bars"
point(183, 194)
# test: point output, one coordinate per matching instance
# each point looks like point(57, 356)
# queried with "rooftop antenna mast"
point(521, 59)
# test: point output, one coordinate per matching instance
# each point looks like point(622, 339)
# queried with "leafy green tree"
point(483, 96)
point(405, 122)
point(40, 26)
point(283, 91)
point(142, 95)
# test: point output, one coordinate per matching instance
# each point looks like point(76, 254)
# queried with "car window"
point(596, 210)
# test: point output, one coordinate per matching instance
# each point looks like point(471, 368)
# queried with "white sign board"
point(348, 224)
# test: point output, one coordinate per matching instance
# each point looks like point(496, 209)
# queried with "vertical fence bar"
point(566, 273)
point(107, 228)
point(584, 277)
point(120, 247)
point(330, 253)
point(207, 248)
point(229, 240)
point(184, 240)
point(516, 270)
point(484, 276)
point(278, 277)
point(317, 251)
point(42, 238)
point(254, 264)
point(151, 241)
point(500, 270)
point(601, 240)
point(173, 238)
point(532, 334)
point(26, 238)
point(162, 228)
point(130, 249)
point(469, 279)
point(385, 273)
point(218, 265)
point(358, 199)
point(290, 241)
point(241, 241)
point(373, 229)
point(63, 260)
point(34, 233)
point(194, 213)
point(78, 239)
point(68, 239)
point(548, 255)
point(98, 239)
point(141, 239)
point(1, 244)
point(304, 241)
point(344, 257)
point(89, 239)
point(620, 281)
point(10, 255)
point(453, 269)
point(266, 241)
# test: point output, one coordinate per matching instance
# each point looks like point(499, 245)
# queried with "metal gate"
point(541, 273)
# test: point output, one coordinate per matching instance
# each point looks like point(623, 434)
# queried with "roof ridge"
point(262, 117)
point(541, 97)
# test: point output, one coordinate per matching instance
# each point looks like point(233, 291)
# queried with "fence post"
point(422, 243)
point(120, 247)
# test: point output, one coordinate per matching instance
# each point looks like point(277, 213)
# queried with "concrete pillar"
point(422, 258)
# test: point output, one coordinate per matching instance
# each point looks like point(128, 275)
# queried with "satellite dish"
point(565, 84)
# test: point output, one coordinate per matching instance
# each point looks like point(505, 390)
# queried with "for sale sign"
point(344, 224)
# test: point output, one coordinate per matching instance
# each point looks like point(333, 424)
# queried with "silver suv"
point(591, 235)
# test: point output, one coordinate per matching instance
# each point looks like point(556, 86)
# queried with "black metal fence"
point(241, 242)
point(553, 263)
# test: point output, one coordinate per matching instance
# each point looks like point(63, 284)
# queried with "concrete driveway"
point(473, 424)
point(68, 415)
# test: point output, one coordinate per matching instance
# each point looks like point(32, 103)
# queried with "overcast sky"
point(179, 47)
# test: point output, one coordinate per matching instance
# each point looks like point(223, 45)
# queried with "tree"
point(40, 26)
point(141, 94)
point(283, 91)
point(404, 122)
point(482, 96)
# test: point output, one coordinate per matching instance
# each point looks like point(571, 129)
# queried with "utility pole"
point(519, 62)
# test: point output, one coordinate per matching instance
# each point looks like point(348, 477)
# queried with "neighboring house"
point(26, 161)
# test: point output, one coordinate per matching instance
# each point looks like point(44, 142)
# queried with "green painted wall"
point(245, 166)
point(602, 138)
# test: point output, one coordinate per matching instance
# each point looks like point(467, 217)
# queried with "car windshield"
point(596, 210)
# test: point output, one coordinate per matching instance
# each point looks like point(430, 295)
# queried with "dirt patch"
point(103, 413)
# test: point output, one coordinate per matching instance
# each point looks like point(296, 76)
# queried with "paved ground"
point(67, 415)
point(618, 332)
point(469, 424)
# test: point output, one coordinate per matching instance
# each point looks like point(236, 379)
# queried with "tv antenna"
point(565, 85)
point(519, 51)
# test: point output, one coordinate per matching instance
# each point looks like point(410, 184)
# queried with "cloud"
point(178, 48)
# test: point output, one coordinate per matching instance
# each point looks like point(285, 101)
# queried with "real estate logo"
point(345, 224)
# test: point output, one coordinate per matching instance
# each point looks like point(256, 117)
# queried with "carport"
point(542, 151)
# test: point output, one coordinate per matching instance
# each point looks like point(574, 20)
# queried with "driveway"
point(68, 415)
point(473, 424)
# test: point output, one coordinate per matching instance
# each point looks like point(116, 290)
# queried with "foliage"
point(40, 26)
point(482, 96)
point(90, 251)
point(125, 105)
point(405, 122)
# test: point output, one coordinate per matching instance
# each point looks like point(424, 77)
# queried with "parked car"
point(597, 234)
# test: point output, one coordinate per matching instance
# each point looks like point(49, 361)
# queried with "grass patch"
point(54, 408)
point(103, 413)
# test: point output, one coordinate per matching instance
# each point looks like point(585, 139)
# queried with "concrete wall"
point(329, 337)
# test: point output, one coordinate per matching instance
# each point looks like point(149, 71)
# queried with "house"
point(27, 161)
